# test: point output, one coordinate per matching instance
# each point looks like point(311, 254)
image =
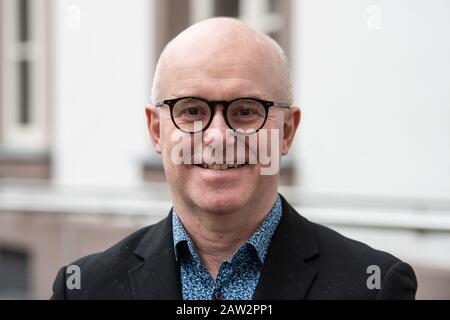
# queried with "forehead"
point(219, 69)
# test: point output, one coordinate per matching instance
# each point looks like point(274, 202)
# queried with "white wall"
point(375, 96)
point(102, 71)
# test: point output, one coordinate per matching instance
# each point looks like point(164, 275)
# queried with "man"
point(221, 87)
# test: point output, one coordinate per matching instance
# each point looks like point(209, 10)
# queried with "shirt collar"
point(181, 237)
point(259, 240)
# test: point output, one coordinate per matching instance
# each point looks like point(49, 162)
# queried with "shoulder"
point(347, 268)
point(356, 270)
point(116, 255)
point(336, 246)
point(328, 243)
point(103, 274)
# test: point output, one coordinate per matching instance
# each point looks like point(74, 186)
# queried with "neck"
point(218, 236)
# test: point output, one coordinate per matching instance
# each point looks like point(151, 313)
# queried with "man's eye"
point(193, 111)
point(244, 112)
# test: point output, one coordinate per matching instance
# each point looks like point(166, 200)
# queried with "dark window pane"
point(273, 5)
point(24, 92)
point(273, 35)
point(23, 17)
point(226, 8)
point(14, 274)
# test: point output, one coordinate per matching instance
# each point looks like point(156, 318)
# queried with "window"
point(263, 15)
point(14, 274)
point(24, 74)
point(269, 16)
point(229, 8)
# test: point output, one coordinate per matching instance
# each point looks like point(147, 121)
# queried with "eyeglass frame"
point(225, 103)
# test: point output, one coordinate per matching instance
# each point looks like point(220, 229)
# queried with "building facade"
point(78, 172)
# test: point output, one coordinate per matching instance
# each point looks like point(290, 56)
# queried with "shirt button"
point(218, 295)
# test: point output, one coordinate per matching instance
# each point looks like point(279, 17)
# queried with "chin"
point(220, 203)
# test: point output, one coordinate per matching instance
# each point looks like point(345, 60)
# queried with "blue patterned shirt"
point(237, 277)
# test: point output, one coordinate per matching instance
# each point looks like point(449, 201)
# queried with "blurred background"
point(78, 172)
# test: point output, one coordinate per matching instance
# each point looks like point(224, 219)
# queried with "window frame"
point(34, 134)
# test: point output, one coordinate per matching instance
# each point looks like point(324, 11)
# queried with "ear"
point(291, 122)
point(153, 126)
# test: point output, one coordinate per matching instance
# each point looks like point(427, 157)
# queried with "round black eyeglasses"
point(243, 115)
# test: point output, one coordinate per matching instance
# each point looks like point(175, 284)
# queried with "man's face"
point(215, 74)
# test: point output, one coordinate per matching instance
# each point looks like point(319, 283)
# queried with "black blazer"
point(305, 261)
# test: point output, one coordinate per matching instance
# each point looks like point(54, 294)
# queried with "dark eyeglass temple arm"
point(286, 105)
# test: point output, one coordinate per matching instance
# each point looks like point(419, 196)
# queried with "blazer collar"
point(158, 276)
point(285, 275)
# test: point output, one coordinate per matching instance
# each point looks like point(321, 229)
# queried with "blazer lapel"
point(157, 277)
point(286, 274)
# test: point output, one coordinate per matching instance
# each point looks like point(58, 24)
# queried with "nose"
point(217, 128)
point(218, 120)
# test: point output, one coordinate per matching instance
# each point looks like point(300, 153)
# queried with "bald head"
point(216, 44)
